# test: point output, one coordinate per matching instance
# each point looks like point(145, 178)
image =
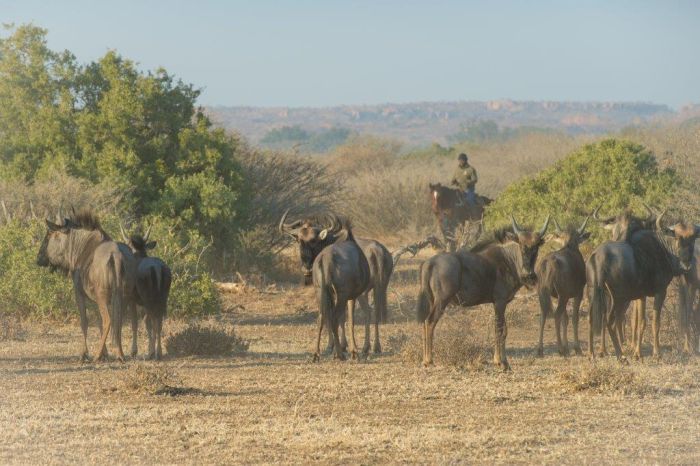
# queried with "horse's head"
point(437, 196)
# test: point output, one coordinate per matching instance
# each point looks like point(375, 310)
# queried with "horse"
point(451, 210)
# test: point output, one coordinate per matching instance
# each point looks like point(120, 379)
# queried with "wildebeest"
point(451, 210)
point(621, 271)
point(340, 275)
point(307, 234)
point(685, 235)
point(79, 246)
point(490, 272)
point(562, 274)
point(152, 286)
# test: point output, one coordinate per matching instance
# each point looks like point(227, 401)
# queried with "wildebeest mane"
point(498, 236)
point(86, 219)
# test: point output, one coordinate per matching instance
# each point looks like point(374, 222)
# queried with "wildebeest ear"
point(323, 233)
point(608, 226)
point(510, 236)
point(151, 244)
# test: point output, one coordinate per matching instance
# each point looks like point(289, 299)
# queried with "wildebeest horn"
point(652, 214)
point(544, 227)
point(516, 228)
point(148, 233)
point(658, 220)
point(285, 227)
point(124, 235)
point(582, 228)
point(556, 225)
point(595, 213)
point(597, 218)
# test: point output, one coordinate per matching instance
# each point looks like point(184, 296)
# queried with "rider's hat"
point(462, 157)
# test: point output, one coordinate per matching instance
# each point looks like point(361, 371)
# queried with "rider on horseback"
point(465, 179)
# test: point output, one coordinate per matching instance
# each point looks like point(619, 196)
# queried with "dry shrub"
point(603, 378)
point(208, 338)
point(153, 380)
point(455, 345)
point(11, 328)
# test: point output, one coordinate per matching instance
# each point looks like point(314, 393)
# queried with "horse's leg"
point(80, 301)
point(656, 323)
point(574, 318)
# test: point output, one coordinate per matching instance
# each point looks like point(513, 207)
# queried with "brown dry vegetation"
point(273, 405)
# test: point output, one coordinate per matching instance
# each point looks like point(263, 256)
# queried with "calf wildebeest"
point(381, 265)
point(622, 271)
point(490, 272)
point(152, 286)
point(562, 274)
point(340, 275)
point(79, 246)
point(451, 210)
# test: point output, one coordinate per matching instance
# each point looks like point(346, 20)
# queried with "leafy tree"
point(613, 174)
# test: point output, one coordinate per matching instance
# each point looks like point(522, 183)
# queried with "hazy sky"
point(318, 53)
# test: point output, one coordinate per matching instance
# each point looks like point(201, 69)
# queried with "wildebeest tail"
point(116, 267)
point(545, 282)
point(684, 307)
point(423, 303)
point(326, 303)
point(385, 266)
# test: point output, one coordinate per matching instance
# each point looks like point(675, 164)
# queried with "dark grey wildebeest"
point(307, 234)
point(340, 276)
point(619, 272)
point(490, 272)
point(562, 274)
point(152, 287)
point(79, 246)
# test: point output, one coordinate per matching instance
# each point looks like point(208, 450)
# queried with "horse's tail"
point(116, 269)
point(425, 295)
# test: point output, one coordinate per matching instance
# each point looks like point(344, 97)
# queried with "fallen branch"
point(413, 249)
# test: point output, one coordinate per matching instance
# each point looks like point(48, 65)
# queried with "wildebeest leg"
point(80, 301)
point(377, 347)
point(641, 323)
point(159, 331)
point(342, 318)
point(656, 323)
point(562, 339)
point(543, 321)
point(335, 319)
point(501, 331)
point(429, 332)
point(133, 312)
point(613, 317)
point(150, 328)
point(603, 351)
point(317, 353)
point(574, 318)
point(364, 304)
point(106, 323)
point(351, 322)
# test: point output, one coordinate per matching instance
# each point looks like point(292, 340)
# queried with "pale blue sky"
point(313, 53)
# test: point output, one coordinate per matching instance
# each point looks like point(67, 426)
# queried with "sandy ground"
point(274, 406)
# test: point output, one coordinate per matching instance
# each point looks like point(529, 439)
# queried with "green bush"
point(612, 174)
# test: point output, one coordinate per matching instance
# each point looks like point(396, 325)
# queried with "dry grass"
point(273, 406)
point(11, 328)
point(205, 338)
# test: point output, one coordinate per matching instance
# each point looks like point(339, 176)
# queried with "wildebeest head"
point(312, 237)
point(529, 243)
point(685, 235)
point(623, 226)
point(54, 248)
point(139, 245)
point(570, 237)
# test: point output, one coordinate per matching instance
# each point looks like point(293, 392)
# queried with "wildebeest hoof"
point(85, 357)
point(564, 352)
point(428, 363)
point(150, 357)
point(578, 351)
point(353, 355)
point(540, 353)
point(623, 360)
point(504, 366)
point(339, 356)
point(602, 354)
point(377, 349)
point(316, 357)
